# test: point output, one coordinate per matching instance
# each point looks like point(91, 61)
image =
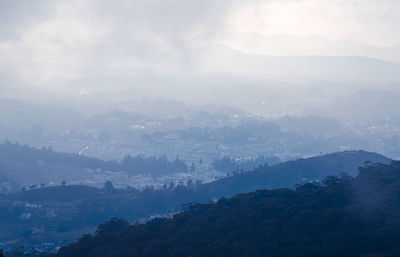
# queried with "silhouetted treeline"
point(343, 217)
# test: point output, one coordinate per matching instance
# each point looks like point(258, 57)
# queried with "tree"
point(108, 186)
point(331, 180)
point(115, 224)
point(190, 183)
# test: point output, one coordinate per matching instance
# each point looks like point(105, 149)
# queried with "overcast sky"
point(45, 38)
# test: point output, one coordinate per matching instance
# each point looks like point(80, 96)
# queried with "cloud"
point(45, 38)
point(62, 39)
point(370, 21)
point(16, 15)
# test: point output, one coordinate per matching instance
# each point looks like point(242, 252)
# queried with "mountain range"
point(284, 45)
point(294, 68)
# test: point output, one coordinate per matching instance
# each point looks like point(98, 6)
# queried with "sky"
point(77, 38)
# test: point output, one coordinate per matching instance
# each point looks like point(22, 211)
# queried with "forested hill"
point(42, 214)
point(352, 217)
point(24, 166)
point(288, 174)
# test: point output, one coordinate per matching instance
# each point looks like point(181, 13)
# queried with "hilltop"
point(291, 173)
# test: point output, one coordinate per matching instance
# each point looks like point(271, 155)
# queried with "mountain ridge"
point(295, 172)
point(222, 59)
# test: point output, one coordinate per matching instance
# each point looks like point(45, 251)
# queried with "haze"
point(270, 59)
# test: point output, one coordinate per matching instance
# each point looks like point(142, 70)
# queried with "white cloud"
point(40, 39)
point(370, 21)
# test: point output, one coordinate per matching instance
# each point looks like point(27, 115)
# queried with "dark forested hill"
point(290, 173)
point(61, 212)
point(352, 217)
point(23, 166)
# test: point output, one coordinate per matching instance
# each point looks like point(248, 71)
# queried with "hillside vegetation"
point(344, 217)
point(61, 212)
